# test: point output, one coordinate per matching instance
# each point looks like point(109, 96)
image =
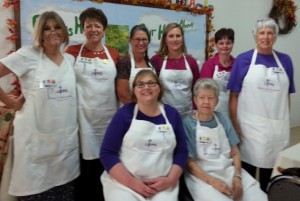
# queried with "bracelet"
point(238, 176)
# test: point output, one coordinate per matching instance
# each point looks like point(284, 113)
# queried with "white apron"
point(46, 132)
point(134, 71)
point(222, 78)
point(96, 100)
point(263, 113)
point(178, 87)
point(145, 155)
point(213, 156)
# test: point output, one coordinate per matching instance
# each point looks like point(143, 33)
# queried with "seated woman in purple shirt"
point(260, 84)
point(144, 150)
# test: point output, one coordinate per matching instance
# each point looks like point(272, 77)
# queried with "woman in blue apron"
point(95, 81)
point(220, 65)
point(177, 70)
point(260, 85)
point(138, 60)
point(144, 149)
point(214, 167)
point(46, 149)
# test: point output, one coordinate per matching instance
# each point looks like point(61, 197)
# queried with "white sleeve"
point(21, 61)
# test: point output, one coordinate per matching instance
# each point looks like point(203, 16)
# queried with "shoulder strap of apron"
point(161, 108)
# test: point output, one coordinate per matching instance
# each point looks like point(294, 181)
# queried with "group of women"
point(171, 123)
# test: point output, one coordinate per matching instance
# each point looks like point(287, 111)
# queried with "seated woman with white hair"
point(214, 168)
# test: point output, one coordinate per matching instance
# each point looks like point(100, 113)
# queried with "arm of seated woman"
point(237, 186)
point(218, 184)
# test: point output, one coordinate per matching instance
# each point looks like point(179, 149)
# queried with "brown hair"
point(94, 13)
point(142, 74)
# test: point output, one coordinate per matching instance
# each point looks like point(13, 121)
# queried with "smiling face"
point(174, 40)
point(53, 35)
point(206, 101)
point(265, 39)
point(146, 89)
point(224, 46)
point(139, 42)
point(93, 30)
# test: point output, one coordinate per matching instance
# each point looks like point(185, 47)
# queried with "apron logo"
point(149, 144)
point(60, 90)
point(95, 72)
point(268, 83)
point(59, 93)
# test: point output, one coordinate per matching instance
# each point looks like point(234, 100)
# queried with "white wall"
point(240, 15)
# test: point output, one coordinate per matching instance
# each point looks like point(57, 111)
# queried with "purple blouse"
point(119, 125)
point(241, 65)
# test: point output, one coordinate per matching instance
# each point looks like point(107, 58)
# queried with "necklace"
point(98, 52)
point(95, 52)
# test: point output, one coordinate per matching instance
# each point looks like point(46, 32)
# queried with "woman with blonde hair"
point(177, 70)
point(46, 150)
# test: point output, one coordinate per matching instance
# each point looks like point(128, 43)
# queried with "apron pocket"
point(48, 146)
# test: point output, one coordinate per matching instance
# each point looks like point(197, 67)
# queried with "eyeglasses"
point(143, 84)
point(48, 30)
point(138, 40)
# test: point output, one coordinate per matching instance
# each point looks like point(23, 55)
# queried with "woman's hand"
point(15, 102)
point(237, 188)
point(221, 186)
point(160, 183)
point(141, 186)
point(123, 176)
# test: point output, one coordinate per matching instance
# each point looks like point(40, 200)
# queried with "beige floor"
point(295, 136)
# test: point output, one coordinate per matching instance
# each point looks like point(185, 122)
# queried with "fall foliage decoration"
point(283, 12)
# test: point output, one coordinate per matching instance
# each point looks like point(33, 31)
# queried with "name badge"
point(47, 84)
point(277, 70)
point(85, 60)
point(163, 128)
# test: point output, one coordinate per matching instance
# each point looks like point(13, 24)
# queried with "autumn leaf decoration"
point(12, 29)
point(14, 3)
point(283, 12)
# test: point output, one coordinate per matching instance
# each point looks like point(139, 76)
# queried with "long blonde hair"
point(163, 49)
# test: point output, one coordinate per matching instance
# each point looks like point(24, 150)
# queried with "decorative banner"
point(121, 19)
